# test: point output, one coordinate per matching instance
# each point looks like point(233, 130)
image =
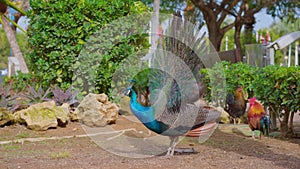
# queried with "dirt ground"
point(226, 148)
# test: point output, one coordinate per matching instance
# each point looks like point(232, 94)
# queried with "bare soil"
point(226, 148)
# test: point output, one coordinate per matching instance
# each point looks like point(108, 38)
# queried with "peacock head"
point(129, 90)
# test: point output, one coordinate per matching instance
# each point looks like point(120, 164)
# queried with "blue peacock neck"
point(146, 115)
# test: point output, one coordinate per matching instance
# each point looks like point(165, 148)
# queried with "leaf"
point(59, 80)
point(80, 41)
point(59, 71)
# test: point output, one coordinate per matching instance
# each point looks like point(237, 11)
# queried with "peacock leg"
point(170, 147)
point(253, 134)
point(173, 143)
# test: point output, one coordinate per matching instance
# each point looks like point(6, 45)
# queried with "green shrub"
point(21, 81)
point(58, 31)
point(278, 88)
point(235, 75)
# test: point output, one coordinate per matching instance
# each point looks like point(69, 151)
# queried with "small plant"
point(58, 155)
point(60, 96)
point(36, 96)
point(22, 135)
point(7, 99)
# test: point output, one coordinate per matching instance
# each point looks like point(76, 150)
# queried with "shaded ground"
point(227, 148)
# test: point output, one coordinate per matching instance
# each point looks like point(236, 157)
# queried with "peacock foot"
point(170, 153)
point(184, 150)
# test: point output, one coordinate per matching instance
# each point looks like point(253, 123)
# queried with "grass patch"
point(210, 143)
point(64, 140)
point(225, 143)
point(22, 135)
point(10, 147)
point(63, 154)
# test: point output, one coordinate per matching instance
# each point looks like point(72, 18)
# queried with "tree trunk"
point(215, 35)
point(155, 24)
point(291, 125)
point(248, 33)
point(216, 40)
point(237, 39)
point(11, 37)
point(284, 123)
point(273, 118)
point(249, 22)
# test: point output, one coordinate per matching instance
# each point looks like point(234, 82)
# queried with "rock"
point(224, 118)
point(62, 115)
point(5, 117)
point(96, 110)
point(43, 116)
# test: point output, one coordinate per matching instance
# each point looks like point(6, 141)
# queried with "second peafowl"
point(175, 87)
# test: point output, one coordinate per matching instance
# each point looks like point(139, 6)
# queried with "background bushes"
point(278, 88)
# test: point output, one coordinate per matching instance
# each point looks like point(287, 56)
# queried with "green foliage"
point(277, 87)
point(112, 59)
point(141, 80)
point(21, 81)
point(285, 9)
point(240, 74)
point(215, 81)
point(235, 75)
point(59, 30)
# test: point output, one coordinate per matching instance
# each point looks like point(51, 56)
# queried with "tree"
point(214, 15)
point(245, 15)
point(5, 48)
point(10, 32)
point(243, 11)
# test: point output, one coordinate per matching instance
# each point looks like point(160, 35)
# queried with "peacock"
point(175, 86)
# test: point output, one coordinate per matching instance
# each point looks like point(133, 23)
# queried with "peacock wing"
point(180, 120)
point(175, 64)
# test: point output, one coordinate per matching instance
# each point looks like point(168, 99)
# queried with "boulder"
point(96, 111)
point(5, 117)
point(43, 116)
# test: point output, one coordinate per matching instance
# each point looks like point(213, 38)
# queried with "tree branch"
point(227, 10)
point(228, 27)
